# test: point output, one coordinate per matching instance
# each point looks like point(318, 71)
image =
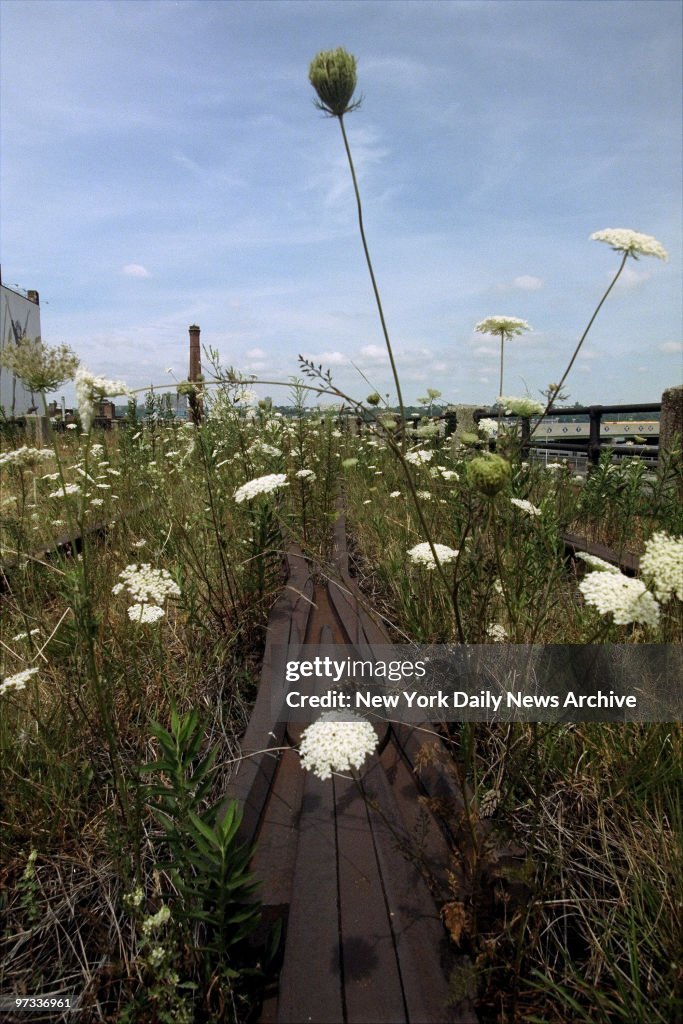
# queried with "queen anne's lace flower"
point(508, 325)
point(525, 506)
point(337, 742)
point(18, 681)
point(626, 599)
point(596, 563)
point(25, 457)
point(419, 457)
point(305, 474)
point(521, 406)
point(88, 388)
point(421, 554)
point(496, 633)
point(662, 565)
point(488, 426)
point(632, 242)
point(261, 485)
point(145, 613)
point(147, 585)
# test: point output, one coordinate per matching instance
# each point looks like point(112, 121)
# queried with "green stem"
point(372, 278)
point(556, 390)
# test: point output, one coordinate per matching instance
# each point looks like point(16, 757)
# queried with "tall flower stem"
point(372, 278)
point(558, 387)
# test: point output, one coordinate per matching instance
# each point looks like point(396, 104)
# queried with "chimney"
point(195, 354)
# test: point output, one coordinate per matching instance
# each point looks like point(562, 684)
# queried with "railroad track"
point(363, 937)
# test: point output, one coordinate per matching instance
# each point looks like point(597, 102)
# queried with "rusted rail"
point(363, 938)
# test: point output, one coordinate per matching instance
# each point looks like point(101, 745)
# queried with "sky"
point(163, 164)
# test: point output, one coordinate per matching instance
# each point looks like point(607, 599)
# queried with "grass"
point(583, 924)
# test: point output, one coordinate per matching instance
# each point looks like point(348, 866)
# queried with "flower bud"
point(333, 76)
point(488, 474)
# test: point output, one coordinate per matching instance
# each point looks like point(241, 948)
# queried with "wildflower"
point(336, 742)
point(88, 388)
point(18, 681)
point(525, 506)
point(422, 555)
point(24, 636)
point(157, 920)
point(626, 599)
point(424, 495)
point(349, 463)
point(139, 543)
point(662, 565)
point(632, 242)
point(521, 406)
point(509, 326)
point(38, 366)
point(488, 474)
point(147, 585)
point(265, 449)
point(261, 485)
point(25, 457)
point(488, 426)
point(420, 457)
point(65, 490)
point(306, 474)
point(332, 73)
point(596, 563)
point(145, 613)
point(395, 494)
point(71, 426)
point(496, 633)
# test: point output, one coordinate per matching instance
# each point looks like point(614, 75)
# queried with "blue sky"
point(163, 164)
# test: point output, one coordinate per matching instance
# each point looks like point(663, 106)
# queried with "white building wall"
point(19, 318)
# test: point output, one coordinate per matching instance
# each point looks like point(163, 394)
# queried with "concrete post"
point(671, 423)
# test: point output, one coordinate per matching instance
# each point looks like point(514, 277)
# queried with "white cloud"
point(527, 283)
point(374, 353)
point(256, 353)
point(135, 270)
point(631, 278)
point(671, 346)
point(327, 358)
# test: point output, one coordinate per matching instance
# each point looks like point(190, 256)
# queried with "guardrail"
point(592, 445)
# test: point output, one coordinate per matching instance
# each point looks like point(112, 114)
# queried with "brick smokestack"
point(195, 354)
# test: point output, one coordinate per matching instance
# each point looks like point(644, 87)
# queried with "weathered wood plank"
point(311, 977)
point(372, 983)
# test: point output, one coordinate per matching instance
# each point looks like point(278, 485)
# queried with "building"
point(19, 319)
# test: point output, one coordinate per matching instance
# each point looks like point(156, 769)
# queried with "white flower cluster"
point(596, 563)
point(488, 426)
point(150, 924)
point(521, 406)
point(305, 474)
point(88, 388)
point(149, 588)
point(632, 242)
point(662, 565)
point(18, 681)
point(64, 491)
point(261, 485)
point(145, 613)
point(336, 742)
point(265, 449)
point(525, 506)
point(508, 325)
point(626, 599)
point(421, 554)
point(25, 456)
point(419, 458)
point(496, 633)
